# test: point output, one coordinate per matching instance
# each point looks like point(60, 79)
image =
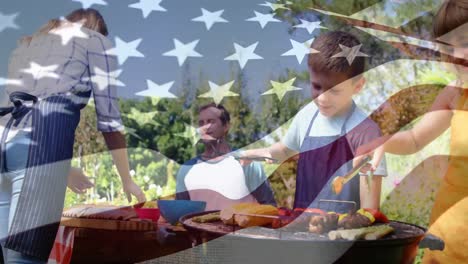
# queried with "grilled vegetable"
point(323, 223)
point(283, 211)
point(382, 231)
point(282, 220)
point(360, 218)
point(354, 221)
point(213, 217)
point(379, 216)
point(249, 220)
point(368, 233)
point(241, 214)
point(367, 214)
point(227, 214)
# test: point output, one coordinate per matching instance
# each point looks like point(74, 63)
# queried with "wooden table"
point(104, 245)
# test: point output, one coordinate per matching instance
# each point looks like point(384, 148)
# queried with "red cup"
point(148, 213)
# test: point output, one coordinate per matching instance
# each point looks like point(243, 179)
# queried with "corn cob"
point(248, 220)
point(383, 231)
point(227, 214)
point(368, 233)
point(234, 214)
point(208, 218)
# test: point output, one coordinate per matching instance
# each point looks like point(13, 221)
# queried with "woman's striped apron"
point(40, 204)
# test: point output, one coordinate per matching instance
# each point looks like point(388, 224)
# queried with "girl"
point(449, 216)
point(54, 71)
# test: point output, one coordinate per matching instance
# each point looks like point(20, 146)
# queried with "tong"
point(257, 158)
point(258, 215)
point(339, 181)
point(236, 156)
point(351, 203)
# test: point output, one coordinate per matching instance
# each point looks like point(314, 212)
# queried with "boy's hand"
point(376, 149)
point(377, 157)
point(78, 182)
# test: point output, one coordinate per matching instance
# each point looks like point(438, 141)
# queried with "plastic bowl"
point(173, 210)
point(148, 213)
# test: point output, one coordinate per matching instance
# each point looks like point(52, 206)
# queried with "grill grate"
point(402, 231)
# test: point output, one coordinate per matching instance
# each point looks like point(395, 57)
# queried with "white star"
point(218, 92)
point(89, 3)
point(300, 50)
point(190, 132)
point(8, 21)
point(148, 6)
point(263, 19)
point(123, 50)
point(142, 118)
point(350, 53)
point(280, 89)
point(310, 26)
point(209, 18)
point(274, 6)
point(243, 55)
point(39, 72)
point(132, 131)
point(68, 31)
point(156, 90)
point(103, 79)
point(183, 51)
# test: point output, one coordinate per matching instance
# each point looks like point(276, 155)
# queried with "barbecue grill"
point(283, 245)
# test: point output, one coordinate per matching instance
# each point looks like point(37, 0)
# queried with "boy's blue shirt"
point(359, 130)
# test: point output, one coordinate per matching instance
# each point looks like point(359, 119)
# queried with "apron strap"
point(343, 127)
point(16, 97)
point(5, 110)
point(310, 126)
point(3, 145)
point(18, 111)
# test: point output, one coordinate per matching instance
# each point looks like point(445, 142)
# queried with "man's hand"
point(78, 182)
point(248, 156)
point(130, 188)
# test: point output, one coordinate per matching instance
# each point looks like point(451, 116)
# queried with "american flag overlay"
point(164, 59)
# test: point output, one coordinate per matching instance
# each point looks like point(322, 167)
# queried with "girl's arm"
point(115, 142)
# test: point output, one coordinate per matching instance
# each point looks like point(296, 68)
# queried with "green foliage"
point(157, 149)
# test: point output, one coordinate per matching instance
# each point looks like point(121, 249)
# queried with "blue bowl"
point(173, 210)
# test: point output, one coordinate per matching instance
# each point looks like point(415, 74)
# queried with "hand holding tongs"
point(237, 156)
point(339, 181)
point(256, 158)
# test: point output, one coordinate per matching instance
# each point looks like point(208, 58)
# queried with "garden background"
point(160, 133)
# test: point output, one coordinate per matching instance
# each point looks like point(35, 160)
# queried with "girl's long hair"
point(451, 15)
point(89, 18)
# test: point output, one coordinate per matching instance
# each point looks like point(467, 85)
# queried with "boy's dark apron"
point(40, 204)
point(320, 159)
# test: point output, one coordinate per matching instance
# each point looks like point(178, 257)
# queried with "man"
point(215, 177)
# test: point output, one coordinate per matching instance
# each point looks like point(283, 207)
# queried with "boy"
point(218, 179)
point(327, 133)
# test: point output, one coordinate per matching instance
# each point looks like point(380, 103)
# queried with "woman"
point(449, 216)
point(54, 71)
